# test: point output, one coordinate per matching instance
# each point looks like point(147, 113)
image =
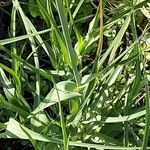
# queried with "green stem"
point(63, 126)
point(147, 117)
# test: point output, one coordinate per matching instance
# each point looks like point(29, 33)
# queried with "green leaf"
point(22, 37)
point(66, 90)
point(71, 51)
point(16, 130)
point(8, 106)
point(33, 9)
point(119, 119)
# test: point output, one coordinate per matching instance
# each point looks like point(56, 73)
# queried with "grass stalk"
point(63, 124)
point(147, 116)
point(72, 53)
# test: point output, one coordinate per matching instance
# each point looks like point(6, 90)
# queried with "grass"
point(75, 74)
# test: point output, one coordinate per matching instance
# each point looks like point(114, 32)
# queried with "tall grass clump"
point(74, 74)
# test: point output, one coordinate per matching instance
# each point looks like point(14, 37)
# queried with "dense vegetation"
point(74, 74)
